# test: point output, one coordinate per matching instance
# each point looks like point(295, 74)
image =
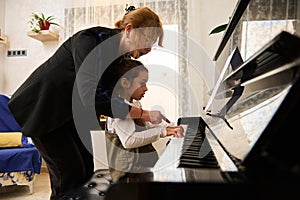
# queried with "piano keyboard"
point(196, 151)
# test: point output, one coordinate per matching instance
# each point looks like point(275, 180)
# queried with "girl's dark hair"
point(122, 67)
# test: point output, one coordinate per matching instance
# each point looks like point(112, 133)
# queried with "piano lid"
point(250, 96)
point(256, 73)
point(281, 50)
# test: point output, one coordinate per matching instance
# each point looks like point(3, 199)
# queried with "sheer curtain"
point(170, 82)
point(104, 12)
point(269, 16)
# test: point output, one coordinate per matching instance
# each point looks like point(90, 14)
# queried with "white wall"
point(205, 15)
point(2, 46)
point(18, 13)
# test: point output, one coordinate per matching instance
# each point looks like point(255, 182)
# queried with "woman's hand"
point(176, 131)
point(154, 116)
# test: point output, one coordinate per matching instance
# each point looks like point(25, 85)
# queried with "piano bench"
point(94, 189)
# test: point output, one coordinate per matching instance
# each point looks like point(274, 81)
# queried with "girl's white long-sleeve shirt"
point(129, 136)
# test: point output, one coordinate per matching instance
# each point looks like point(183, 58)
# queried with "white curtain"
point(88, 13)
point(269, 16)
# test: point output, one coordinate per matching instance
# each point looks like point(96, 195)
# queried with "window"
point(162, 63)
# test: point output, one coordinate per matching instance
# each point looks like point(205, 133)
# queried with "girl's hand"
point(176, 131)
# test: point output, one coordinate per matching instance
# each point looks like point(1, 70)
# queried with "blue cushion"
point(7, 121)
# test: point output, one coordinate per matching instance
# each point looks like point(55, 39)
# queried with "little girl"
point(129, 141)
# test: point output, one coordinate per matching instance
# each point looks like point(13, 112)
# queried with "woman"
point(57, 107)
point(129, 145)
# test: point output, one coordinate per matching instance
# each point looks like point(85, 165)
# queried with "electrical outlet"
point(14, 53)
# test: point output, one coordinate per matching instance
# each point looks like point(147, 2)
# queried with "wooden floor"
point(41, 190)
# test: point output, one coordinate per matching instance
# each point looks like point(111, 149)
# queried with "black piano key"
point(203, 163)
point(198, 159)
point(208, 158)
point(196, 165)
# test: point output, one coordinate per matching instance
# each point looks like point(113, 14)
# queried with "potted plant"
point(40, 22)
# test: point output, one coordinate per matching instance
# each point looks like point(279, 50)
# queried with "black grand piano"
point(247, 144)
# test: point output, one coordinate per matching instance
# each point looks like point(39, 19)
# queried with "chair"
point(20, 160)
point(97, 186)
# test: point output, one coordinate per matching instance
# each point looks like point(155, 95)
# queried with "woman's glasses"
point(148, 41)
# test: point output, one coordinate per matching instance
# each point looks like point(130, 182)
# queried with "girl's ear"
point(125, 83)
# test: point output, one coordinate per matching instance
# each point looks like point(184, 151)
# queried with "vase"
point(44, 26)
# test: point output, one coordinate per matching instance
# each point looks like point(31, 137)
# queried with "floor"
point(41, 190)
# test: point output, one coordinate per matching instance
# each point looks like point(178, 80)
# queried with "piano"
point(246, 145)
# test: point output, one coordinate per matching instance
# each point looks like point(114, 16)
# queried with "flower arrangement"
point(40, 22)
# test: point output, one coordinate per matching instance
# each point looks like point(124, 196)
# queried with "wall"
point(17, 69)
point(2, 46)
point(205, 15)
